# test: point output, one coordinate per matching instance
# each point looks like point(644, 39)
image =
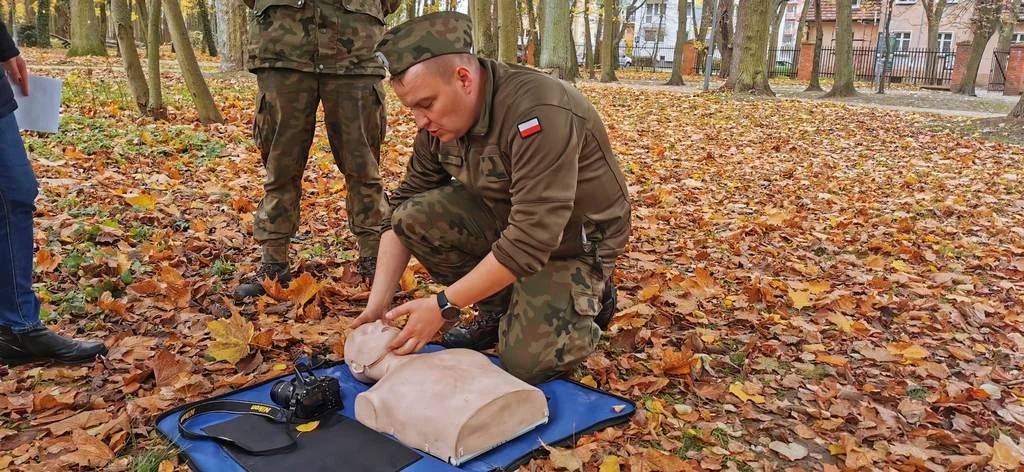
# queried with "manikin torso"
point(453, 404)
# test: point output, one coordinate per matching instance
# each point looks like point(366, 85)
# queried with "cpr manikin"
point(452, 404)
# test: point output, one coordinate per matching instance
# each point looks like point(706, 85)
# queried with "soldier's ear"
point(466, 79)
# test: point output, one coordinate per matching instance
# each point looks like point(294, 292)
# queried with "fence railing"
point(914, 66)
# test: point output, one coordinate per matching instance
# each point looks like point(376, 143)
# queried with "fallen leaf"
point(408, 280)
point(563, 459)
point(307, 427)
point(302, 289)
point(1005, 454)
point(800, 299)
point(168, 367)
point(791, 451)
point(738, 390)
point(91, 451)
point(589, 381)
point(650, 291)
point(83, 420)
point(610, 464)
point(664, 462)
point(230, 338)
point(142, 200)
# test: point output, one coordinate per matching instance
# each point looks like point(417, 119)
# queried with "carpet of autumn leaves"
point(809, 286)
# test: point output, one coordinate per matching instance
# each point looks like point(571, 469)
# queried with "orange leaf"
point(302, 289)
point(263, 340)
point(799, 298)
point(145, 287)
point(108, 303)
point(678, 362)
point(408, 280)
point(45, 261)
point(649, 292)
point(274, 290)
point(838, 361)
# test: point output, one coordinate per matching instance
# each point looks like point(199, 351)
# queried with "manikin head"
point(367, 353)
point(445, 94)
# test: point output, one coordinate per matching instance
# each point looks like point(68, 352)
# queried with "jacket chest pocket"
point(367, 7)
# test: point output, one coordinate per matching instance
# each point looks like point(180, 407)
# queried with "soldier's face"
point(446, 103)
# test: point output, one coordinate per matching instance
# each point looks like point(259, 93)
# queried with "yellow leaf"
point(836, 449)
point(737, 389)
point(909, 351)
point(302, 289)
point(610, 464)
point(819, 287)
point(900, 266)
point(813, 347)
point(307, 427)
point(1005, 454)
point(279, 366)
point(230, 338)
point(166, 466)
point(589, 381)
point(408, 281)
point(142, 200)
point(844, 323)
point(649, 292)
point(800, 298)
point(838, 361)
point(875, 262)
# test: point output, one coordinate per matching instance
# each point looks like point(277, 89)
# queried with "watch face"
point(450, 313)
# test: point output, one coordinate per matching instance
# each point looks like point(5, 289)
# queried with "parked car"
point(625, 61)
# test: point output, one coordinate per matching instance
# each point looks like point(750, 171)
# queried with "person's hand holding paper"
point(17, 70)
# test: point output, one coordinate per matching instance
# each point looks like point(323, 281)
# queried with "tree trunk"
point(86, 39)
point(189, 66)
point(588, 47)
point(129, 54)
point(62, 19)
point(842, 85)
point(984, 23)
point(410, 10)
point(608, 45)
point(933, 10)
point(154, 38)
point(779, 8)
point(693, 15)
point(232, 34)
point(533, 35)
point(815, 86)
point(43, 24)
point(599, 36)
point(799, 40)
point(483, 33)
point(204, 23)
point(724, 39)
point(507, 19)
point(570, 51)
point(750, 72)
point(554, 52)
point(706, 16)
point(1018, 110)
point(677, 56)
point(29, 11)
point(141, 15)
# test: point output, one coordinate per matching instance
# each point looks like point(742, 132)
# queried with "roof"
point(869, 10)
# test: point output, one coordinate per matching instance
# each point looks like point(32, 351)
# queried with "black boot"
point(41, 344)
point(609, 300)
point(366, 268)
point(253, 286)
point(479, 334)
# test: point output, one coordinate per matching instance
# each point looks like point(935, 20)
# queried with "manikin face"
point(365, 347)
point(444, 101)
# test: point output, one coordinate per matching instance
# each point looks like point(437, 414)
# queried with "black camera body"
point(307, 397)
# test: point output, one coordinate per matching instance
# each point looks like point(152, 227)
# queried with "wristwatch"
point(448, 311)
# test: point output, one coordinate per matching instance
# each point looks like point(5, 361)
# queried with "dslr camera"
point(307, 397)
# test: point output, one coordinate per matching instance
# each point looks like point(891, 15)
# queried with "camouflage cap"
point(424, 37)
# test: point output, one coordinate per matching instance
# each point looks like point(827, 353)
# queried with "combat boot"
point(479, 334)
point(366, 268)
point(253, 286)
point(41, 344)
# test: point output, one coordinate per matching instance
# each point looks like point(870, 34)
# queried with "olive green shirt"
point(558, 191)
point(324, 36)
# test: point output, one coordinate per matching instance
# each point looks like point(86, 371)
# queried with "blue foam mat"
point(575, 410)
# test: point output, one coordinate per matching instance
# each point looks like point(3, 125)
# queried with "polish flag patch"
point(529, 128)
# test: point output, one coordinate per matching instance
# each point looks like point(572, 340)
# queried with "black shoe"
point(479, 334)
point(41, 344)
point(366, 268)
point(253, 286)
point(609, 300)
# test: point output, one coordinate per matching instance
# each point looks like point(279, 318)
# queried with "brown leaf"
point(168, 367)
point(108, 303)
point(263, 340)
point(91, 451)
point(249, 363)
point(83, 420)
point(664, 462)
point(303, 288)
point(563, 459)
point(145, 287)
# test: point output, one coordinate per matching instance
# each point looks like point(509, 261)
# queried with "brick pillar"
point(963, 51)
point(689, 58)
point(806, 61)
point(1014, 83)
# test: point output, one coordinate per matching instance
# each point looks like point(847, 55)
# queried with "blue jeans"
point(19, 307)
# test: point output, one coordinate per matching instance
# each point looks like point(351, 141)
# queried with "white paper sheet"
point(40, 110)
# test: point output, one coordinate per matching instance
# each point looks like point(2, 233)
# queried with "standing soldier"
point(513, 199)
point(305, 52)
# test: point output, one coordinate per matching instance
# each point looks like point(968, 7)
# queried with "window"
point(905, 2)
point(653, 13)
point(856, 4)
point(900, 41)
point(946, 42)
point(653, 34)
point(791, 10)
point(1017, 38)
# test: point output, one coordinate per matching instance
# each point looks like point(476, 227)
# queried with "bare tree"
point(933, 10)
point(677, 56)
point(231, 34)
point(43, 24)
point(814, 85)
point(608, 43)
point(204, 23)
point(129, 54)
point(554, 53)
point(983, 24)
point(842, 84)
point(483, 29)
point(750, 72)
point(588, 47)
point(508, 16)
point(194, 80)
point(153, 40)
point(724, 37)
point(1018, 110)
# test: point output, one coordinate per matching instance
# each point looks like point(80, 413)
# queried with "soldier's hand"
point(424, 322)
point(369, 315)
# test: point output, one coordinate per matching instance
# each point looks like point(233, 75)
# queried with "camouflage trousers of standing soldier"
point(355, 116)
point(548, 327)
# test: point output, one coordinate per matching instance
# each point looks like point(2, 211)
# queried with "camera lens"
point(281, 392)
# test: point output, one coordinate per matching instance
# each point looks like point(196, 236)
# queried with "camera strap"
point(270, 412)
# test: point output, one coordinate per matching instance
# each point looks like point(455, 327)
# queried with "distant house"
point(650, 33)
point(909, 29)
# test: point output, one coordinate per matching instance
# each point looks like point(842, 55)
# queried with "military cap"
point(424, 37)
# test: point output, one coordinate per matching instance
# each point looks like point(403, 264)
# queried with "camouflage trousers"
point(548, 327)
point(355, 116)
